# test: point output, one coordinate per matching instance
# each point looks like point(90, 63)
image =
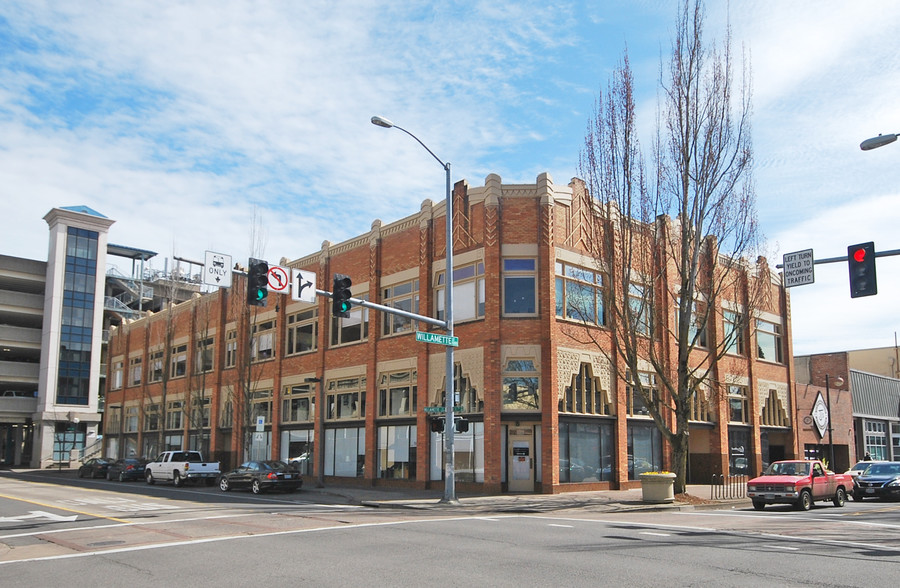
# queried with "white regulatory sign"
point(217, 270)
point(279, 279)
point(303, 286)
point(799, 268)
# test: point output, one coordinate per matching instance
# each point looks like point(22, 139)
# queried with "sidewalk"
point(598, 501)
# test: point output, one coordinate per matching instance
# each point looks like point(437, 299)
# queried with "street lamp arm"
point(380, 121)
point(876, 142)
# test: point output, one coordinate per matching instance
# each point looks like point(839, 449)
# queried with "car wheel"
point(224, 486)
point(121, 476)
point(149, 478)
point(255, 487)
point(840, 497)
point(759, 505)
point(805, 501)
point(178, 480)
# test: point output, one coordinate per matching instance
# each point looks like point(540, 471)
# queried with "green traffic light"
point(260, 294)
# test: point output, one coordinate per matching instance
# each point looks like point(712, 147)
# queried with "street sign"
point(303, 286)
point(279, 280)
point(441, 409)
point(799, 268)
point(436, 338)
point(260, 424)
point(217, 270)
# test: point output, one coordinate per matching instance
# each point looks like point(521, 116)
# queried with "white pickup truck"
point(181, 467)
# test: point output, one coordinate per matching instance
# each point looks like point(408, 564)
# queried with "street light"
point(839, 381)
point(449, 390)
point(879, 141)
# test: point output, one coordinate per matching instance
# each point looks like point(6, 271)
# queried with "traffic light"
point(340, 296)
point(861, 260)
point(437, 424)
point(460, 424)
point(257, 282)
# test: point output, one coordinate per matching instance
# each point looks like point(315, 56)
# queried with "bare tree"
point(701, 163)
point(196, 408)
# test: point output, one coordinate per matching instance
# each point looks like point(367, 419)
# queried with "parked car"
point(879, 480)
point(126, 469)
point(260, 476)
point(94, 468)
point(859, 467)
point(181, 467)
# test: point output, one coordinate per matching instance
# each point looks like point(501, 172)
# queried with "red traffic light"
point(859, 255)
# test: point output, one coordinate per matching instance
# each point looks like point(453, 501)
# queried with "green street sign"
point(436, 338)
point(441, 409)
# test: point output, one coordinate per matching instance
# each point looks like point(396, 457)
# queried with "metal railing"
point(722, 487)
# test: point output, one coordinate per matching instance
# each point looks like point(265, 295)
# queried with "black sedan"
point(94, 468)
point(126, 469)
point(880, 480)
point(260, 476)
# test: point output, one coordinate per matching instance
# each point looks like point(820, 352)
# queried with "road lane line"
point(90, 514)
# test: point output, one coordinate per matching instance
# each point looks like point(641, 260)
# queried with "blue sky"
point(178, 119)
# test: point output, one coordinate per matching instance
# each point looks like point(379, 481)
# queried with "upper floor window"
point(151, 417)
point(637, 402)
point(639, 306)
point(117, 376)
point(200, 413)
point(584, 395)
point(302, 331)
point(174, 415)
point(696, 333)
point(346, 398)
point(397, 394)
point(205, 354)
point(521, 385)
point(298, 403)
point(353, 329)
point(230, 349)
point(733, 332)
point(403, 296)
point(768, 341)
point(134, 371)
point(131, 419)
point(468, 293)
point(738, 402)
point(579, 294)
point(519, 286)
point(156, 366)
point(700, 405)
point(262, 344)
point(179, 361)
point(261, 406)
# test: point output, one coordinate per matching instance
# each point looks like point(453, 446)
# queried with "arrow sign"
point(303, 286)
point(39, 514)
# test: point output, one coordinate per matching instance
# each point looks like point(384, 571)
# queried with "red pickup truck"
point(799, 483)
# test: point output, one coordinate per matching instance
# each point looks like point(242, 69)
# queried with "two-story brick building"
point(547, 411)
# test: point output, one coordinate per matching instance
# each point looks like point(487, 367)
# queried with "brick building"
point(547, 411)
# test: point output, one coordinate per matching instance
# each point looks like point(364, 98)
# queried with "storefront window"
point(397, 452)
point(586, 452)
point(644, 449)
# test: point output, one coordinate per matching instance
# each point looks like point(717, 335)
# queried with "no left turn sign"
point(279, 279)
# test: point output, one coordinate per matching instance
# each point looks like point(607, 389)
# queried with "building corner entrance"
point(520, 459)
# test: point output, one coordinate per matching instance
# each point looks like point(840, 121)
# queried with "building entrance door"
point(520, 458)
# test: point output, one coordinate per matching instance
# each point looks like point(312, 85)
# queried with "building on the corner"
point(545, 412)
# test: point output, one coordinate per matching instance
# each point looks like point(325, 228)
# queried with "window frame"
point(513, 275)
point(297, 324)
point(395, 324)
point(463, 276)
point(569, 277)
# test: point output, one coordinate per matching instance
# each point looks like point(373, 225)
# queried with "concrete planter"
point(658, 487)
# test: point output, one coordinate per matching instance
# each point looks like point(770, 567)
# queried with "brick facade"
point(523, 380)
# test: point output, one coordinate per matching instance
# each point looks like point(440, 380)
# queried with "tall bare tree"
point(701, 174)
